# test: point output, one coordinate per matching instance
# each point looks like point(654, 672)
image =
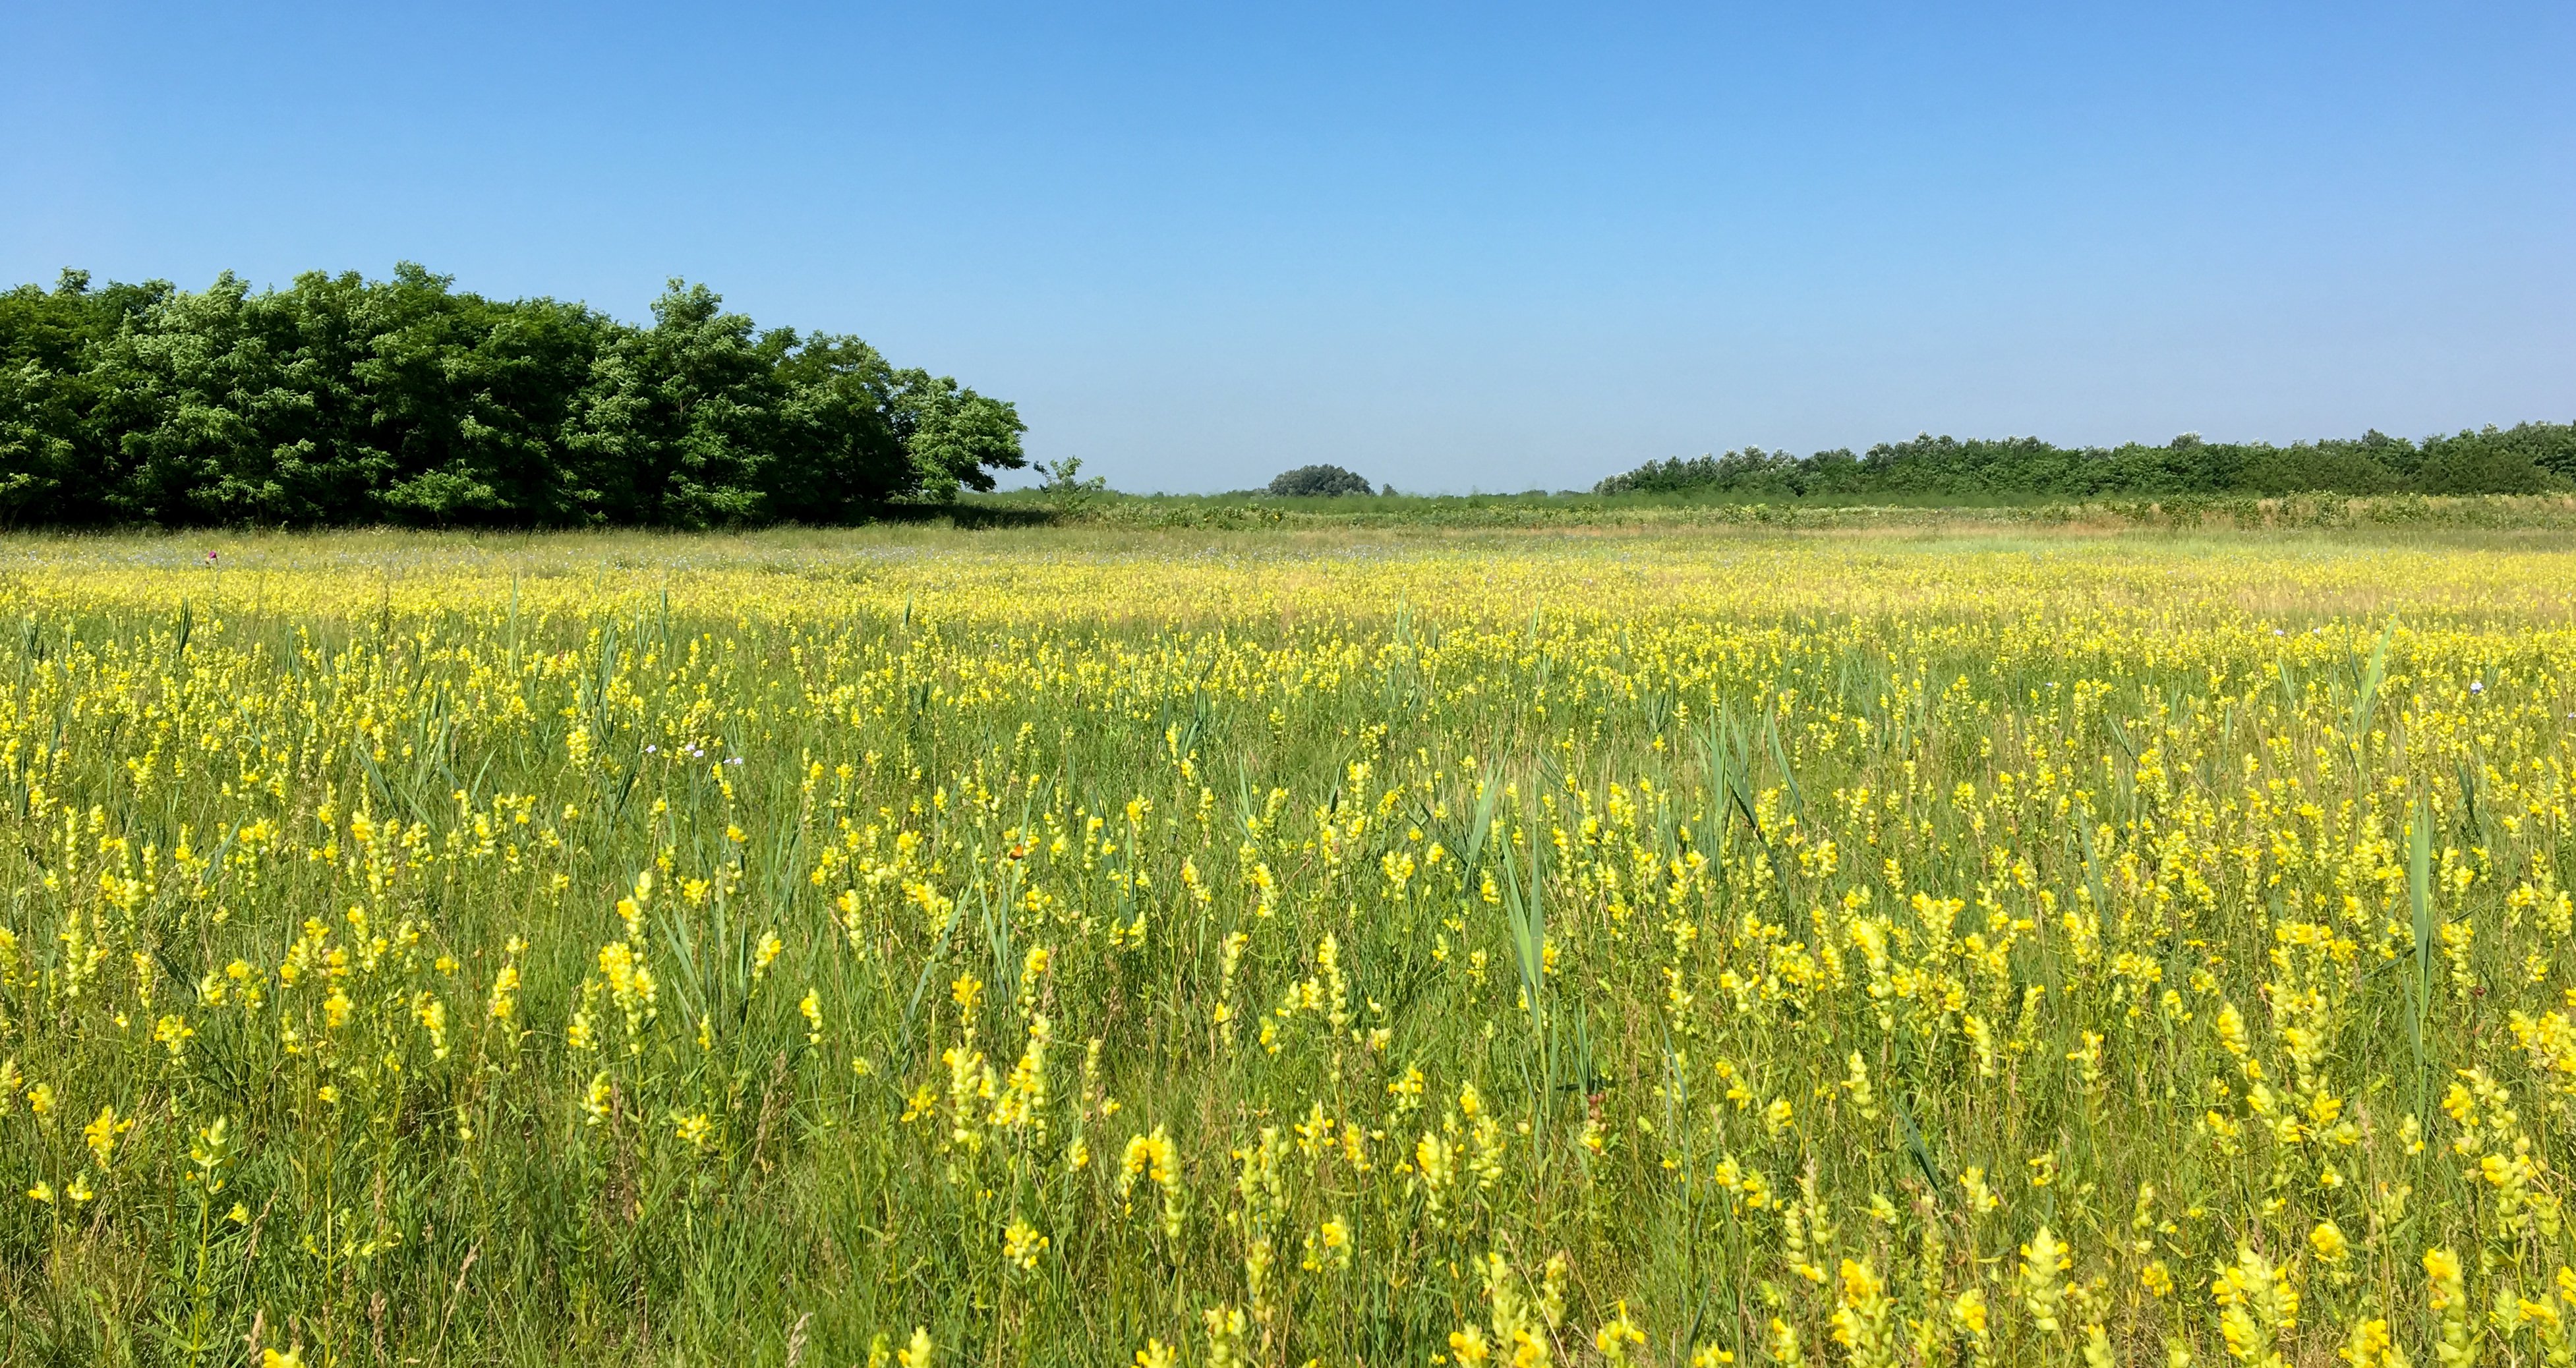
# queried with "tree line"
point(342, 400)
point(2529, 458)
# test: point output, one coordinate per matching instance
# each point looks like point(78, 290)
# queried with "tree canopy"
point(1318, 481)
point(2526, 459)
point(343, 400)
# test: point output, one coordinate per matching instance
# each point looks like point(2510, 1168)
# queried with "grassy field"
point(1939, 944)
point(1686, 511)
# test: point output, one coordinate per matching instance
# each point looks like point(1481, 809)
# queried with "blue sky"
point(1487, 246)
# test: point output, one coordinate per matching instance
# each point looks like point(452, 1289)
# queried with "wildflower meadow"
point(1368, 948)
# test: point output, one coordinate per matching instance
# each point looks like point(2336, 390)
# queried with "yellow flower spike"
point(1614, 1339)
point(1022, 1244)
point(103, 1134)
point(1968, 1311)
point(2371, 1345)
point(1226, 1326)
point(503, 1002)
point(1784, 1345)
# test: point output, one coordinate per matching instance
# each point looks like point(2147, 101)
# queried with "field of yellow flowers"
point(929, 949)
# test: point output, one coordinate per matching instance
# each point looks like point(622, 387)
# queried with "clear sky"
point(1487, 246)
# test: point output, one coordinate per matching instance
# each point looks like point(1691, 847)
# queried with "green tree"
point(344, 400)
point(2529, 459)
point(471, 399)
point(955, 437)
point(1318, 482)
point(679, 421)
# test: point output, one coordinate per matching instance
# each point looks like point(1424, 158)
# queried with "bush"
point(1318, 482)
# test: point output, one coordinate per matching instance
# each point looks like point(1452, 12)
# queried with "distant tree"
point(1318, 482)
point(2529, 458)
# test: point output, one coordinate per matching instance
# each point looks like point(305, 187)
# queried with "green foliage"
point(1318, 482)
point(342, 400)
point(1067, 490)
point(2530, 458)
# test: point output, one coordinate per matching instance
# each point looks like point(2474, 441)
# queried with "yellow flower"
point(1968, 1311)
point(102, 1134)
point(2370, 1345)
point(1614, 1338)
point(1022, 1244)
point(2442, 1272)
point(918, 1353)
point(1335, 1236)
point(505, 987)
point(1981, 1197)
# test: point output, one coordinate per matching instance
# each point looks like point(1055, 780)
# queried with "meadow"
point(1934, 945)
